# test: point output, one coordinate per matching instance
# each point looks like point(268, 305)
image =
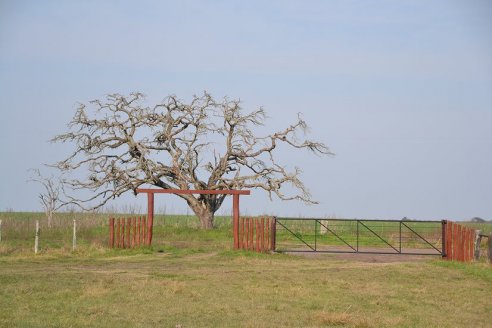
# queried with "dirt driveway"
point(373, 258)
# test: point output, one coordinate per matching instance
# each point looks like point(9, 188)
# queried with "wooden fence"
point(257, 234)
point(459, 242)
point(128, 232)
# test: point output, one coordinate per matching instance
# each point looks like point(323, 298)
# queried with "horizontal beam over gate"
point(203, 192)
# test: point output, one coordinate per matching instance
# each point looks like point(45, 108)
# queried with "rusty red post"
point(111, 232)
point(150, 219)
point(235, 219)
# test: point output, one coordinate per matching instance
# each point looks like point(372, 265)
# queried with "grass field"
point(192, 278)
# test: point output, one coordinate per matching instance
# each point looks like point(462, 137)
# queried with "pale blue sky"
point(400, 90)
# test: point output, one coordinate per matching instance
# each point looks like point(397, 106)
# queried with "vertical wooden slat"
point(118, 234)
point(139, 225)
point(251, 232)
point(262, 234)
point(267, 228)
point(128, 231)
point(111, 232)
point(455, 242)
point(257, 226)
point(242, 233)
point(134, 235)
point(247, 233)
point(460, 243)
point(272, 234)
point(449, 251)
point(470, 245)
point(144, 230)
point(472, 242)
point(123, 233)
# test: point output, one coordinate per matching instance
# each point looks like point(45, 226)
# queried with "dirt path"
point(373, 258)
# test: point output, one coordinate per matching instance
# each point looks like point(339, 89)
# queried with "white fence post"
point(0, 230)
point(36, 239)
point(74, 239)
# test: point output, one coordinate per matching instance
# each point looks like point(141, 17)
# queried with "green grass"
point(205, 288)
point(193, 278)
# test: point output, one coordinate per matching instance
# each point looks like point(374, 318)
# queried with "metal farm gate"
point(360, 236)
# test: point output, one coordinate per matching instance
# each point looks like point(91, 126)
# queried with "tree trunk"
point(204, 213)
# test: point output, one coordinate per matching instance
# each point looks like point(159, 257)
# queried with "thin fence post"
point(0, 230)
point(36, 238)
point(74, 237)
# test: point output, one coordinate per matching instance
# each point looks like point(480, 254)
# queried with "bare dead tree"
point(203, 144)
point(50, 197)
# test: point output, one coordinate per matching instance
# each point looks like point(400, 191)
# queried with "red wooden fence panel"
point(255, 234)
point(460, 242)
point(127, 233)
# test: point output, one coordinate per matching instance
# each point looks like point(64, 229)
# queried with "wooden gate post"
point(150, 218)
point(235, 219)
